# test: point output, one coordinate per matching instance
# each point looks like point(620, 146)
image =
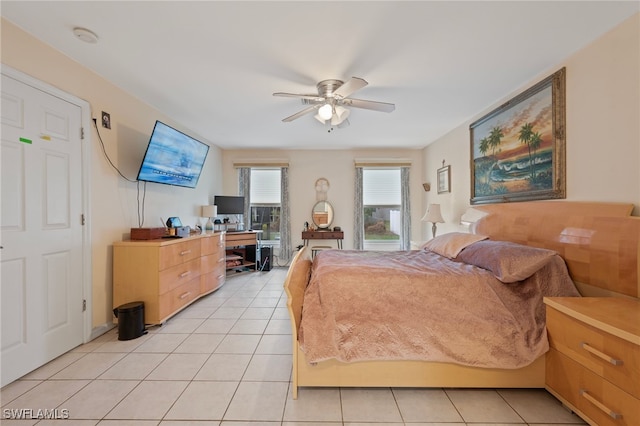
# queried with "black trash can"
point(130, 320)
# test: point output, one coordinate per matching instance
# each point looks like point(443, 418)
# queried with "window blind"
point(265, 186)
point(381, 187)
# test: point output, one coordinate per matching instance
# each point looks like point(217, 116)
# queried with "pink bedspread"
point(417, 305)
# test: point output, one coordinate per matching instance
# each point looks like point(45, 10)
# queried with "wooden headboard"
point(600, 242)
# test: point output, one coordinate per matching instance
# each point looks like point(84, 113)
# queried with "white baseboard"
point(100, 330)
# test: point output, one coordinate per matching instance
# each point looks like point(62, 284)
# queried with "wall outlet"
point(106, 120)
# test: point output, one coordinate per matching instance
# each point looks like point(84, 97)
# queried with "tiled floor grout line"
point(226, 410)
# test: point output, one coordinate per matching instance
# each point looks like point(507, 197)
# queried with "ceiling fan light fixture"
point(332, 98)
point(325, 111)
point(341, 114)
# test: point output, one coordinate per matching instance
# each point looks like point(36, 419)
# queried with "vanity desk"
point(322, 217)
point(323, 235)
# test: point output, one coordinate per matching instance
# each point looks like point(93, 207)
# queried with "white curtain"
point(358, 213)
point(244, 185)
point(285, 215)
point(405, 236)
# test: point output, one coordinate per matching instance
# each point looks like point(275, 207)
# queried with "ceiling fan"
point(332, 100)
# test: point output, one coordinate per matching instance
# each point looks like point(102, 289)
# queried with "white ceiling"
point(213, 66)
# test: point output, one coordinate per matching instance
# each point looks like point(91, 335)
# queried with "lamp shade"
point(210, 211)
point(325, 111)
point(341, 114)
point(433, 214)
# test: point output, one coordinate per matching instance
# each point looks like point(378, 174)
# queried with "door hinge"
point(84, 305)
point(82, 221)
point(82, 133)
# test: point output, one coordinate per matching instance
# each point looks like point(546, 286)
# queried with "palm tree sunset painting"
point(514, 149)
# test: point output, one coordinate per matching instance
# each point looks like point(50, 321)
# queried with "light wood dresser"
point(167, 274)
point(593, 365)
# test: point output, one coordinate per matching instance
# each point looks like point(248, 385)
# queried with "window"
point(381, 198)
point(265, 202)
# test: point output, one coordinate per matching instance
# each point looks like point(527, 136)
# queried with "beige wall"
point(306, 166)
point(603, 128)
point(114, 208)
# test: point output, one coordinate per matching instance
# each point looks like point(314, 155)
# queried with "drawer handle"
point(222, 259)
point(601, 355)
point(185, 295)
point(184, 274)
point(185, 252)
point(600, 405)
point(220, 277)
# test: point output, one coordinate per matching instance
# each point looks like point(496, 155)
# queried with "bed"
point(599, 247)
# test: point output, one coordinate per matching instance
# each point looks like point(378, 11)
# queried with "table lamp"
point(209, 212)
point(434, 216)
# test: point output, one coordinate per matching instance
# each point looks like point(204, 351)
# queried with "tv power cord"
point(137, 182)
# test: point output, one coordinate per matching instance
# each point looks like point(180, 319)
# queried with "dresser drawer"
point(590, 395)
point(613, 358)
point(212, 280)
point(179, 297)
point(240, 239)
point(211, 244)
point(177, 275)
point(211, 262)
point(174, 254)
point(220, 272)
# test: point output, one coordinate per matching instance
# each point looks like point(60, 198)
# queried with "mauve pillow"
point(509, 262)
point(449, 245)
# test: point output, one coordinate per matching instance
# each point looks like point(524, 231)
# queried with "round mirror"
point(322, 214)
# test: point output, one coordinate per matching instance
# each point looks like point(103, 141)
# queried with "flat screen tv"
point(229, 204)
point(172, 158)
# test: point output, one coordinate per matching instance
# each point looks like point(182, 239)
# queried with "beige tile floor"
point(225, 360)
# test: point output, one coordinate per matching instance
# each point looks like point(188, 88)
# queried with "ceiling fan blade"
point(349, 87)
point(295, 95)
point(301, 113)
point(372, 105)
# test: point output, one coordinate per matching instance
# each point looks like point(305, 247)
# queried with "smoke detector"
point(85, 35)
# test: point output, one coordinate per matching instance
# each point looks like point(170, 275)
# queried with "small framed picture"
point(444, 179)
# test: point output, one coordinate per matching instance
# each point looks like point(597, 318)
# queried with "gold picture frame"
point(444, 179)
point(518, 149)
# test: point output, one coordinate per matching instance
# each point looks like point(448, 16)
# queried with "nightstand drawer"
point(615, 359)
point(589, 394)
point(322, 235)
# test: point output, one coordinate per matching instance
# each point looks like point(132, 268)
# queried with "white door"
point(41, 228)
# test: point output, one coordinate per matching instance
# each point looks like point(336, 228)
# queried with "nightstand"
point(593, 364)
